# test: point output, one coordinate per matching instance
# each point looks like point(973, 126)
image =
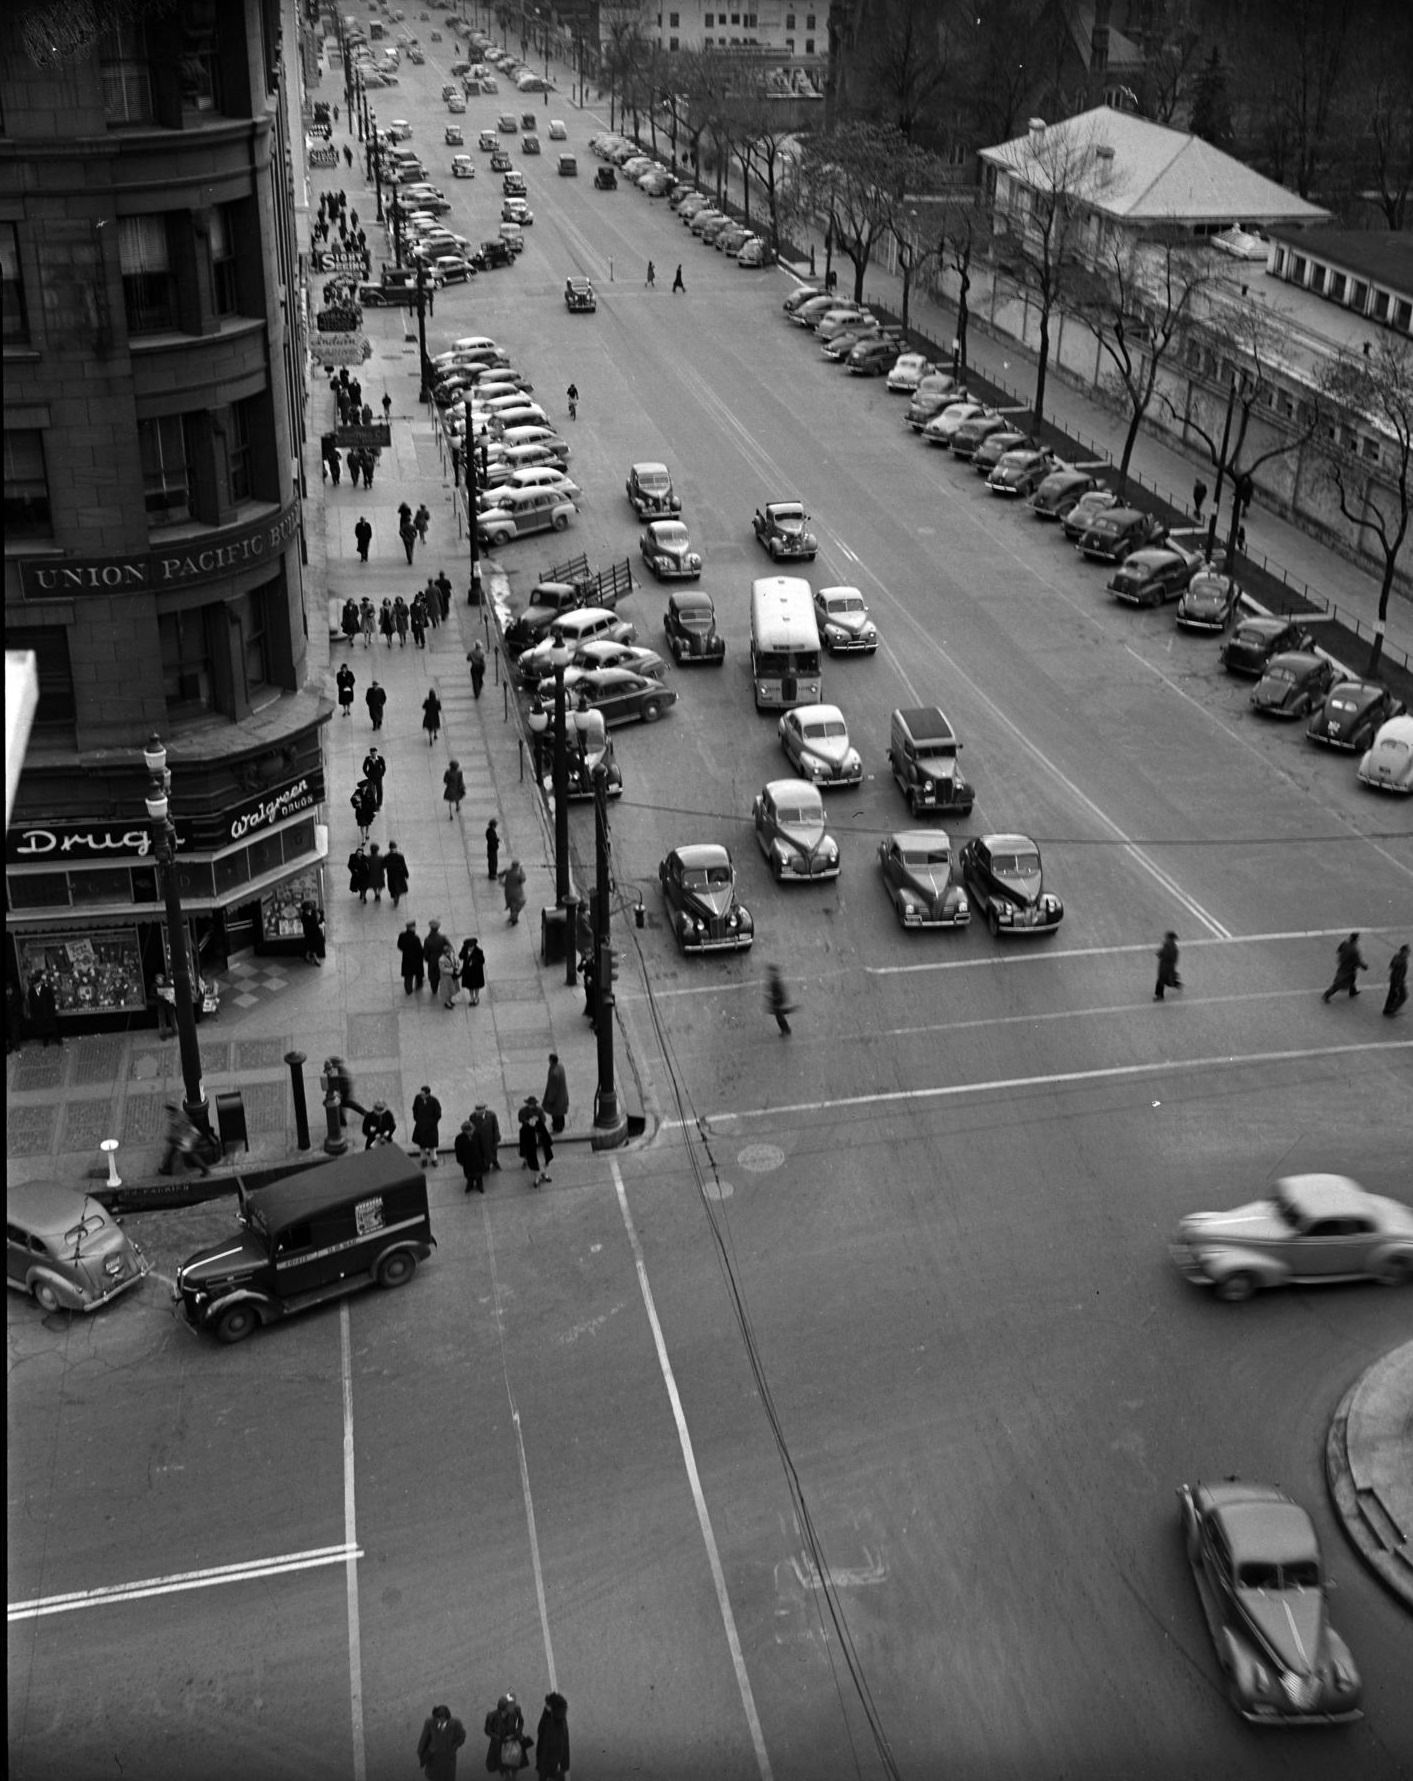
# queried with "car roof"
point(331, 1183)
point(909, 839)
point(780, 791)
point(703, 853)
point(1324, 1196)
point(926, 720)
point(1273, 1530)
point(1267, 625)
point(691, 596)
point(649, 469)
point(1009, 844)
point(824, 711)
point(1295, 658)
point(48, 1208)
point(1397, 729)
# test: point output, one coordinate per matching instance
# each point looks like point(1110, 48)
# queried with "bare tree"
point(965, 234)
point(1373, 494)
point(852, 176)
point(1388, 96)
point(906, 62)
point(1295, 57)
point(763, 140)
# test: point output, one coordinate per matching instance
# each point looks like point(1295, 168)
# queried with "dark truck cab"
point(922, 752)
point(359, 1220)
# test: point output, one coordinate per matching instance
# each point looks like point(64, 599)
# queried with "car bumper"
point(1188, 1265)
point(1029, 921)
point(1280, 712)
point(1213, 627)
point(843, 646)
point(1147, 596)
point(1003, 488)
point(810, 871)
point(917, 918)
point(737, 942)
point(1380, 782)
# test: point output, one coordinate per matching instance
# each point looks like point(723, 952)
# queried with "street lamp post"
point(423, 299)
point(539, 722)
point(164, 841)
point(610, 1126)
point(473, 587)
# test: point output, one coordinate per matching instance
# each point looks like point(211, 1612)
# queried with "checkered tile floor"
point(251, 981)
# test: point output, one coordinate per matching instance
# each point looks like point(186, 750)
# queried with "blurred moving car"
point(698, 885)
point(788, 815)
point(1007, 885)
point(815, 739)
point(1388, 765)
point(844, 623)
point(605, 179)
point(1351, 714)
point(690, 624)
point(579, 298)
point(1293, 685)
point(916, 865)
point(557, 131)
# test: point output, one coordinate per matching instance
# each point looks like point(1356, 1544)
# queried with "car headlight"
point(869, 634)
point(812, 765)
point(835, 633)
point(852, 763)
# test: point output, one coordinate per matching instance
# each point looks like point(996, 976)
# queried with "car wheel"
point(396, 1269)
point(1394, 1270)
point(236, 1324)
point(561, 520)
point(993, 922)
point(652, 711)
point(1236, 1288)
point(46, 1297)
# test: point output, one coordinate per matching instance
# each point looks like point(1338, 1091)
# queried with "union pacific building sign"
point(176, 566)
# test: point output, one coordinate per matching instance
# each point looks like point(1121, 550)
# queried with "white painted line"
point(350, 1535)
point(684, 1439)
point(179, 1582)
point(1057, 1079)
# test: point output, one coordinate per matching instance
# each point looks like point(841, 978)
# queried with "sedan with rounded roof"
point(1151, 576)
point(815, 739)
point(845, 627)
point(690, 624)
point(1020, 471)
point(650, 491)
point(699, 890)
point(1208, 602)
point(788, 816)
point(974, 429)
point(1352, 713)
point(1060, 491)
point(1007, 885)
point(995, 446)
point(1255, 640)
point(625, 697)
point(1075, 522)
point(944, 425)
point(908, 372)
point(871, 358)
point(1114, 535)
point(1388, 764)
point(921, 883)
point(1293, 685)
point(667, 550)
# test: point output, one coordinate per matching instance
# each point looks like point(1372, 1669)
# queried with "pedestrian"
point(364, 807)
point(426, 1126)
point(775, 999)
point(386, 623)
point(652, 275)
point(401, 618)
point(395, 872)
point(432, 948)
point(339, 1078)
point(473, 969)
point(1240, 537)
point(344, 681)
point(535, 1140)
point(443, 587)
point(442, 1736)
point(477, 659)
point(166, 996)
point(378, 1125)
point(417, 618)
point(407, 532)
point(355, 469)
point(376, 698)
point(404, 515)
point(353, 224)
point(589, 975)
point(431, 605)
point(335, 466)
point(552, 1740)
point(184, 1140)
point(555, 1099)
point(374, 769)
point(370, 464)
point(387, 409)
point(471, 1158)
point(312, 924)
point(377, 872)
point(1199, 496)
point(409, 949)
point(505, 1728)
point(571, 395)
point(348, 155)
point(488, 1128)
point(1348, 965)
point(453, 789)
point(367, 620)
point(351, 621)
point(1167, 966)
point(363, 537)
point(432, 716)
point(492, 850)
point(1397, 981)
point(421, 520)
point(677, 281)
point(358, 873)
point(513, 878)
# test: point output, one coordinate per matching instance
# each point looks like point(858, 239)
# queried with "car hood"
point(1022, 889)
point(852, 622)
point(714, 901)
point(1290, 1625)
point(939, 769)
point(240, 1254)
point(805, 838)
point(1258, 1222)
point(931, 882)
point(835, 749)
point(1275, 689)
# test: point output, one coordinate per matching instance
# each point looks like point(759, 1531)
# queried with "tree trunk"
point(963, 317)
point(1130, 439)
point(1042, 365)
point(907, 290)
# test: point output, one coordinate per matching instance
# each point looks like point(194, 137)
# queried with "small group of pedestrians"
point(1349, 962)
point(507, 1743)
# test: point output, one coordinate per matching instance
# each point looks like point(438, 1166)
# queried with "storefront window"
point(38, 890)
point(112, 886)
point(279, 908)
point(91, 974)
point(232, 871)
point(266, 856)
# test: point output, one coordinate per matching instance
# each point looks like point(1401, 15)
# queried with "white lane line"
point(527, 1495)
point(1056, 1079)
point(684, 1440)
point(350, 1537)
point(180, 1582)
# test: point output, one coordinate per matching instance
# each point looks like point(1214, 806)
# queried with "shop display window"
point(279, 908)
point(99, 973)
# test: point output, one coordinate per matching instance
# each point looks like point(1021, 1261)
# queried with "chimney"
point(1105, 156)
point(1037, 135)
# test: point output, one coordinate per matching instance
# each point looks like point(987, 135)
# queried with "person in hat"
point(344, 680)
point(395, 870)
point(555, 1099)
point(492, 850)
point(473, 969)
point(376, 698)
point(377, 871)
point(470, 1154)
point(442, 1736)
point(505, 1728)
point(183, 1140)
point(535, 1139)
point(1397, 981)
point(1167, 966)
point(378, 1125)
point(375, 770)
point(432, 949)
point(552, 1740)
point(488, 1126)
point(453, 790)
point(409, 947)
point(513, 878)
point(426, 1125)
point(358, 872)
point(313, 927)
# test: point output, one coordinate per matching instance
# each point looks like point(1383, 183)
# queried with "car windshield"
point(1281, 674)
point(789, 519)
point(652, 479)
point(1015, 865)
point(704, 877)
point(800, 816)
point(693, 618)
point(670, 537)
point(1265, 1574)
point(927, 856)
point(823, 729)
point(844, 603)
point(935, 751)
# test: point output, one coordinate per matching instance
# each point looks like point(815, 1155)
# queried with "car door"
point(1328, 1247)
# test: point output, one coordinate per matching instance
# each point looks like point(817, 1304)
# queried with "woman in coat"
point(367, 620)
point(552, 1740)
point(386, 623)
point(426, 1125)
point(351, 621)
point(505, 1728)
point(395, 870)
point(450, 986)
point(432, 716)
point(453, 790)
point(555, 1099)
point(345, 682)
point(358, 874)
point(513, 878)
point(400, 620)
point(377, 872)
point(534, 1139)
point(473, 969)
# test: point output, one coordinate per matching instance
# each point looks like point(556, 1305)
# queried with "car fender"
point(266, 1308)
point(70, 1299)
point(1233, 1259)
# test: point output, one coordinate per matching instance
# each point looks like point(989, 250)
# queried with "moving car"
point(501, 162)
point(487, 140)
point(699, 889)
point(65, 1249)
point(491, 254)
point(516, 210)
point(844, 624)
point(579, 298)
point(650, 491)
point(917, 874)
point(605, 179)
point(1353, 710)
point(567, 166)
point(1020, 471)
point(789, 823)
point(529, 145)
point(513, 184)
point(453, 269)
point(1116, 534)
point(922, 755)
point(908, 372)
point(625, 697)
point(462, 167)
point(780, 526)
point(815, 739)
point(1255, 640)
point(453, 136)
point(667, 551)
point(690, 624)
point(1151, 576)
point(1256, 1562)
point(1293, 685)
point(507, 124)
point(1388, 765)
point(1313, 1229)
point(1059, 491)
point(1007, 885)
point(557, 131)
point(1208, 603)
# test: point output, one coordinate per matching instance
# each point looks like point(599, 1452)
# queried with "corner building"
point(153, 423)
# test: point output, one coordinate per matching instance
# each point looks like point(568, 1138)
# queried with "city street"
point(834, 1431)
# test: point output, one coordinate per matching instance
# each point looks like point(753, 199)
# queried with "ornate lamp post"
point(610, 1125)
point(164, 841)
point(539, 722)
point(424, 298)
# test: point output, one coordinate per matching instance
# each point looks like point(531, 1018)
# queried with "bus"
point(785, 654)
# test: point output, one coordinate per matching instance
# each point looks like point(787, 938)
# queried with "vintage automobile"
point(781, 527)
point(590, 750)
point(579, 296)
point(1151, 576)
point(1003, 874)
point(508, 124)
point(1060, 491)
point(521, 512)
point(488, 141)
point(938, 390)
point(690, 624)
point(1077, 521)
point(908, 371)
point(802, 294)
point(729, 241)
point(755, 253)
point(605, 179)
point(538, 476)
point(567, 167)
point(667, 551)
point(491, 254)
point(462, 167)
point(871, 358)
point(1351, 714)
point(512, 184)
point(65, 1249)
point(841, 343)
point(789, 822)
point(844, 624)
point(1111, 537)
point(1313, 1229)
point(1388, 764)
point(610, 652)
point(1020, 471)
point(650, 491)
point(1209, 602)
point(699, 889)
point(625, 697)
point(453, 136)
point(942, 428)
point(1256, 1562)
point(568, 630)
point(974, 429)
point(557, 131)
point(995, 446)
point(529, 145)
point(516, 210)
point(922, 756)
point(1255, 640)
point(501, 162)
point(816, 743)
point(1294, 684)
point(917, 874)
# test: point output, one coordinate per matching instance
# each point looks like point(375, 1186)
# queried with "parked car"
point(520, 512)
point(1294, 684)
point(908, 371)
point(788, 815)
point(815, 739)
point(844, 624)
point(975, 429)
point(1388, 764)
point(1151, 576)
point(1020, 471)
point(1256, 1562)
point(1007, 885)
point(1086, 510)
point(872, 358)
point(1351, 713)
point(781, 528)
point(625, 697)
point(1060, 491)
point(994, 447)
point(698, 885)
point(754, 254)
point(921, 883)
point(1209, 602)
point(1254, 641)
point(690, 624)
point(650, 491)
point(802, 294)
point(1116, 534)
point(65, 1249)
point(942, 428)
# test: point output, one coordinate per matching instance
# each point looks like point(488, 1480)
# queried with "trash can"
point(553, 929)
point(230, 1120)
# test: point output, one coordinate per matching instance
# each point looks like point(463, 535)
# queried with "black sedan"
point(922, 886)
point(1021, 471)
point(1114, 535)
point(690, 624)
point(1351, 714)
point(1149, 577)
point(699, 889)
point(1060, 491)
point(990, 452)
point(1007, 885)
point(1294, 684)
point(873, 358)
point(1208, 602)
point(1255, 640)
point(1086, 510)
point(625, 697)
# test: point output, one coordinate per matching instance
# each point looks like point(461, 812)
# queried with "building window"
point(1381, 302)
point(50, 643)
point(1284, 405)
point(1317, 280)
point(1359, 296)
point(674, 43)
point(239, 455)
point(1403, 315)
point(809, 46)
point(1370, 449)
point(1338, 285)
point(149, 289)
point(187, 680)
point(248, 615)
point(789, 21)
point(26, 486)
point(708, 21)
point(1281, 262)
point(1298, 268)
point(225, 285)
point(127, 77)
point(674, 20)
point(165, 481)
point(809, 21)
point(12, 290)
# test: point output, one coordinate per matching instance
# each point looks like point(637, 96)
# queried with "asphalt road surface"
point(836, 1433)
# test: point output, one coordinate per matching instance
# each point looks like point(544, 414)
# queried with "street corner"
point(1369, 1469)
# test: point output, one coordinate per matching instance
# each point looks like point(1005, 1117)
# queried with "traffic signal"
point(608, 970)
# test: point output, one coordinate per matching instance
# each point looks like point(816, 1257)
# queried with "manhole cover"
point(760, 1158)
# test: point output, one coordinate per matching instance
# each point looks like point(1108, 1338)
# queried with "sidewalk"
point(1369, 1469)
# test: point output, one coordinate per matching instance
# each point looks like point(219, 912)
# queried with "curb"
point(1351, 1478)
